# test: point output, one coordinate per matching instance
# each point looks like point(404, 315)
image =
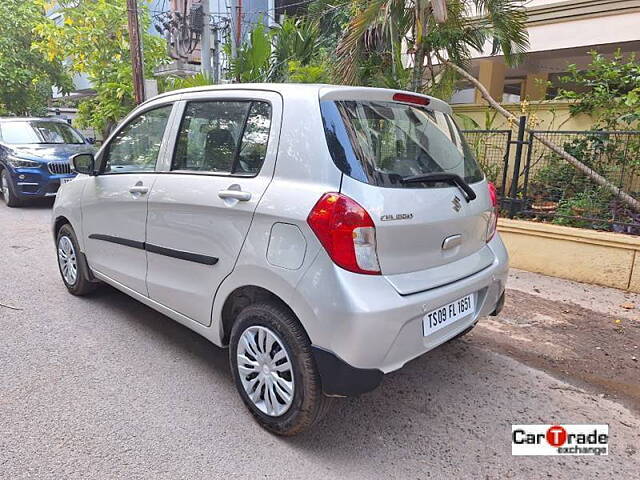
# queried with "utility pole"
point(136, 51)
point(205, 46)
point(216, 57)
point(234, 45)
point(239, 25)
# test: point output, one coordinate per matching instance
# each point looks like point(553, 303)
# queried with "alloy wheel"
point(67, 260)
point(265, 370)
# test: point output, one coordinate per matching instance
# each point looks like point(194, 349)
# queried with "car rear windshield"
point(29, 132)
point(381, 143)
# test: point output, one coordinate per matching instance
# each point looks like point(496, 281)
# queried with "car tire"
point(289, 366)
point(72, 264)
point(8, 193)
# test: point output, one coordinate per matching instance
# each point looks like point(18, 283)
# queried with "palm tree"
point(381, 31)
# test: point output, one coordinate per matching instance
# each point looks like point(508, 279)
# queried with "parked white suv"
point(326, 234)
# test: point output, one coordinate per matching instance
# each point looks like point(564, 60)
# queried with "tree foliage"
point(253, 60)
point(93, 39)
point(608, 90)
point(176, 83)
point(311, 73)
point(290, 51)
point(333, 17)
point(295, 40)
point(380, 32)
point(26, 76)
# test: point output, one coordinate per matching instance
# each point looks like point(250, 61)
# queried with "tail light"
point(347, 233)
point(493, 216)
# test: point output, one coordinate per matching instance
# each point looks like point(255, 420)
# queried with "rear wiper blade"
point(450, 178)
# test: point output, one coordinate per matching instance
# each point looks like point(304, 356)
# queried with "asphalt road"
point(104, 387)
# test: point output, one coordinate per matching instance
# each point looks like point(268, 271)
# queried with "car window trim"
point(205, 173)
point(236, 154)
point(176, 136)
point(105, 149)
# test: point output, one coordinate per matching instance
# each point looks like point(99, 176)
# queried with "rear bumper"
point(339, 379)
point(366, 324)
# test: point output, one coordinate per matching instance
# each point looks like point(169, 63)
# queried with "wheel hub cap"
point(67, 260)
point(265, 370)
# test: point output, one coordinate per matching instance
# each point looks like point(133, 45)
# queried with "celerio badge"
point(397, 216)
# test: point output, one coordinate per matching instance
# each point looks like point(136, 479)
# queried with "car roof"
point(32, 119)
point(315, 89)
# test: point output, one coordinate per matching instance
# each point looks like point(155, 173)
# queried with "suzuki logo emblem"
point(457, 205)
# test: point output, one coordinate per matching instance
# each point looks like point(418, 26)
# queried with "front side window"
point(382, 143)
point(225, 137)
point(38, 132)
point(135, 148)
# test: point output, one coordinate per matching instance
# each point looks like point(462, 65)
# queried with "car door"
point(114, 202)
point(200, 210)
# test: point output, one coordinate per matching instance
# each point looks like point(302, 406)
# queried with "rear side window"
point(226, 137)
point(380, 143)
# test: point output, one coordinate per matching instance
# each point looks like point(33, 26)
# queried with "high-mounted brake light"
point(408, 98)
point(347, 233)
point(492, 225)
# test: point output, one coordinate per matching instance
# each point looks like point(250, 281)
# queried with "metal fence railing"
point(548, 188)
point(492, 149)
point(554, 189)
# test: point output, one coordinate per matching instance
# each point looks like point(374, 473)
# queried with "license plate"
point(447, 314)
point(66, 180)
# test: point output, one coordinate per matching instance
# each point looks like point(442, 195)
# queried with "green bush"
point(578, 196)
point(609, 91)
point(594, 206)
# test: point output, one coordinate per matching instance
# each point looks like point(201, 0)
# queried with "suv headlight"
point(17, 162)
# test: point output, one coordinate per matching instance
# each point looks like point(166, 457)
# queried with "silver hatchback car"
point(326, 234)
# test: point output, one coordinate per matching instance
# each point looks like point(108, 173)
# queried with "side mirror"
point(91, 141)
point(83, 163)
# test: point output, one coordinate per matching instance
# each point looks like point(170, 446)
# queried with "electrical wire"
point(297, 17)
point(227, 23)
point(304, 2)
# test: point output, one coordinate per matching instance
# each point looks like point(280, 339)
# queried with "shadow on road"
point(165, 331)
point(37, 204)
point(423, 397)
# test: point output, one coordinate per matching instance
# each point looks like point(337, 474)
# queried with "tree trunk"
point(589, 172)
point(108, 128)
point(418, 68)
point(419, 55)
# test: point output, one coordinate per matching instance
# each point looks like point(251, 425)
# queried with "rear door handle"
point(235, 194)
point(141, 189)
